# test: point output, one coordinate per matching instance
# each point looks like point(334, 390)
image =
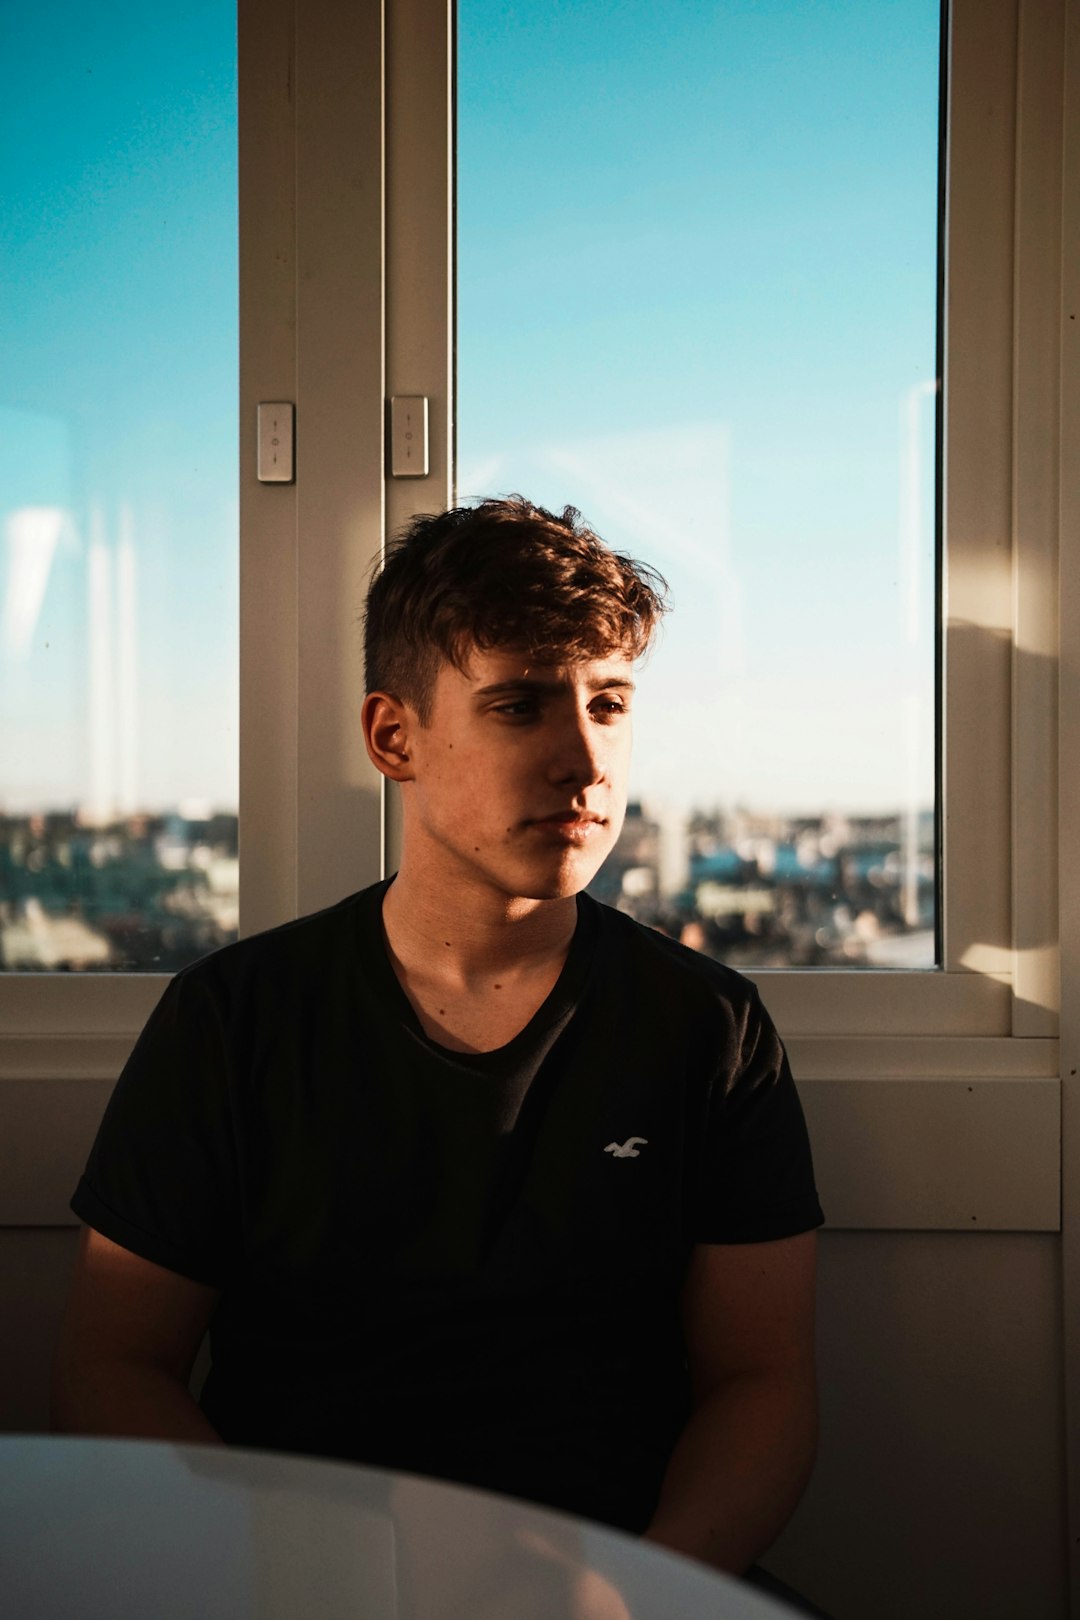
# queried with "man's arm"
point(745, 1456)
point(127, 1346)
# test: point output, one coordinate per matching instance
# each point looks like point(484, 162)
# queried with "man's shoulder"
point(670, 966)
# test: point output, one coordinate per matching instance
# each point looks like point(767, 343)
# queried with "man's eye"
point(612, 706)
point(517, 711)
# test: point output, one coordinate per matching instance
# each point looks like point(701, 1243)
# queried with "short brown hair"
point(502, 573)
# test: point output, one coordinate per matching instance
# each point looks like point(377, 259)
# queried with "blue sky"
point(696, 283)
point(696, 290)
point(118, 376)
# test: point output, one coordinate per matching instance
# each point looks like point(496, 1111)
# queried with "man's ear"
point(386, 722)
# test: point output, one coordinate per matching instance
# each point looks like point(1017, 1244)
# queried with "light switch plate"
point(276, 434)
point(409, 436)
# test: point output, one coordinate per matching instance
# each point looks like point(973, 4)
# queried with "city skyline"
point(153, 893)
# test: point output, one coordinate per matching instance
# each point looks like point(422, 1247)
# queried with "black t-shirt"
point(465, 1265)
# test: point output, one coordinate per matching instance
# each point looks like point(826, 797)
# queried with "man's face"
point(521, 776)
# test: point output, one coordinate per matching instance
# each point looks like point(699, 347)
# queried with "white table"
point(140, 1530)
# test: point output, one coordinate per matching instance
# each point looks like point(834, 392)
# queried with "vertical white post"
point(419, 266)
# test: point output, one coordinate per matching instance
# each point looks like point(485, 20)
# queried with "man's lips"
point(571, 818)
point(571, 827)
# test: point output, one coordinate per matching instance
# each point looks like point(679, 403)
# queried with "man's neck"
point(464, 935)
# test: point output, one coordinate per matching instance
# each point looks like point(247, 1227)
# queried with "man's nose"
point(580, 755)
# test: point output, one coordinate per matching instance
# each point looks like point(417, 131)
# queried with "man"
point(470, 1175)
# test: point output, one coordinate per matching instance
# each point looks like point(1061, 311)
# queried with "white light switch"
point(409, 436)
point(276, 443)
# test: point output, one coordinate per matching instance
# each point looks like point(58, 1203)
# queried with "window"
point(346, 227)
point(984, 987)
point(697, 296)
point(118, 488)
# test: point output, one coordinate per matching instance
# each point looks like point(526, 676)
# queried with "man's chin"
point(567, 879)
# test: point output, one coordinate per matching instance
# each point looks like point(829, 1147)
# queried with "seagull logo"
point(628, 1150)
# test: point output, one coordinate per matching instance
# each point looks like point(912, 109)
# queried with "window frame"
point(999, 973)
point(347, 298)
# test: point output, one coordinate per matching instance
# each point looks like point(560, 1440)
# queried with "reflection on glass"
point(118, 512)
point(697, 299)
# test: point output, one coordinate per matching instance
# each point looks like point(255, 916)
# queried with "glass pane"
point(697, 273)
point(118, 485)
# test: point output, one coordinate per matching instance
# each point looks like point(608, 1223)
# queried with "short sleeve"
point(757, 1181)
point(161, 1179)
